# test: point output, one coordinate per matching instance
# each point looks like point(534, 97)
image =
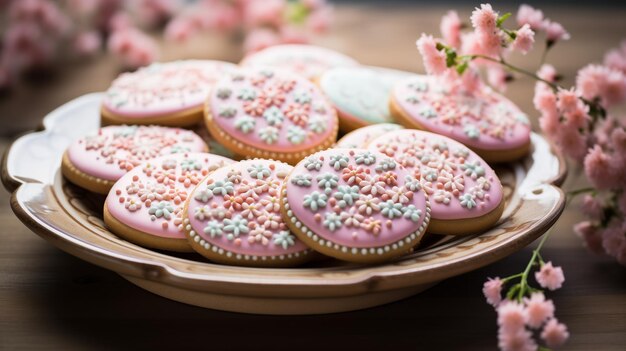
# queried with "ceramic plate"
point(71, 219)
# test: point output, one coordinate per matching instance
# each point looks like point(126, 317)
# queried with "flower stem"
point(501, 61)
point(524, 281)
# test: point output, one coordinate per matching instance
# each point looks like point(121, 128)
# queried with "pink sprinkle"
point(121, 199)
point(164, 225)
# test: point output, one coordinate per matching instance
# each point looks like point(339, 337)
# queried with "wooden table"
point(49, 299)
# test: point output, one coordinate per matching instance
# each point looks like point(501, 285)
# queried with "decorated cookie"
point(355, 204)
point(360, 138)
point(169, 94)
point(306, 60)
point(96, 162)
point(484, 120)
point(268, 113)
point(465, 193)
point(360, 94)
point(145, 206)
point(233, 217)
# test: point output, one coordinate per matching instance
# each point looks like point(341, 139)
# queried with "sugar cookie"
point(465, 193)
point(96, 162)
point(355, 204)
point(360, 138)
point(170, 94)
point(145, 205)
point(360, 94)
point(484, 120)
point(233, 217)
point(308, 61)
point(268, 113)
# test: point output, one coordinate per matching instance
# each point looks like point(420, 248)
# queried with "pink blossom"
point(154, 12)
point(548, 72)
point(545, 102)
point(314, 4)
point(594, 81)
point(292, 35)
point(264, 12)
point(319, 20)
point(180, 29)
point(550, 277)
point(484, 19)
point(570, 141)
point(132, 47)
point(614, 91)
point(119, 21)
point(87, 43)
point(470, 80)
point(259, 39)
point(539, 309)
point(497, 77)
point(524, 40)
point(567, 100)
point(490, 43)
point(621, 203)
point(512, 316)
point(531, 16)
point(592, 208)
point(554, 333)
point(516, 340)
point(613, 239)
point(616, 59)
point(599, 169)
point(451, 29)
point(555, 31)
point(434, 60)
point(492, 290)
point(591, 236)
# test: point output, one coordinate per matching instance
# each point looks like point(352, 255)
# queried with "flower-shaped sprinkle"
point(161, 209)
point(467, 201)
point(411, 212)
point(269, 134)
point(296, 135)
point(318, 124)
point(315, 200)
point(259, 171)
point(245, 124)
point(313, 163)
point(284, 239)
point(246, 94)
point(235, 226)
point(338, 161)
point(273, 116)
point(367, 204)
point(221, 187)
point(442, 196)
point(302, 180)
point(351, 218)
point(213, 228)
point(391, 209)
point(332, 221)
point(201, 213)
point(327, 181)
point(473, 169)
point(346, 195)
point(411, 183)
point(366, 158)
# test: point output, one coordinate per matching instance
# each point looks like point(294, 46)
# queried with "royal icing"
point(164, 88)
point(272, 110)
point(360, 138)
point(458, 182)
point(482, 119)
point(235, 212)
point(306, 60)
point(150, 197)
point(361, 94)
point(355, 199)
point(115, 150)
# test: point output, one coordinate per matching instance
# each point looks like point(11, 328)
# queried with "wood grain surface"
point(51, 300)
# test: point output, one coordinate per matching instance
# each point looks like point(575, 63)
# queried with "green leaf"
point(502, 18)
point(461, 68)
point(450, 57)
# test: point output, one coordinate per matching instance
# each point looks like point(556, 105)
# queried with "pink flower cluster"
point(527, 15)
point(518, 319)
point(37, 33)
point(265, 22)
point(579, 123)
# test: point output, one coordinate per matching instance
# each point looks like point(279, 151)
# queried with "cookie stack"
point(241, 163)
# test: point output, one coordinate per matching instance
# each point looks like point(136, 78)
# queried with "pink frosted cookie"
point(233, 217)
point(306, 60)
point(355, 204)
point(169, 93)
point(360, 138)
point(484, 120)
point(145, 206)
point(360, 94)
point(268, 113)
point(465, 193)
point(96, 162)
